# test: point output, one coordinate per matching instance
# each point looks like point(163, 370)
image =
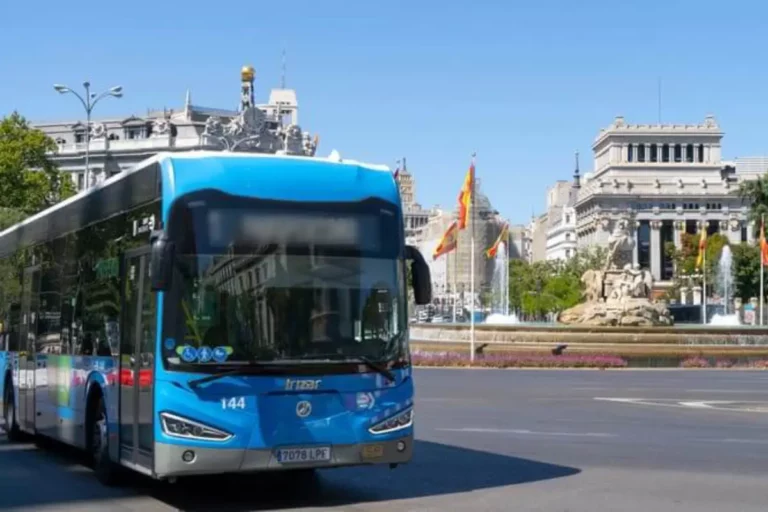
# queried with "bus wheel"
point(9, 415)
point(105, 469)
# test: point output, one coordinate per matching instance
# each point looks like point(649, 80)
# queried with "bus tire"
point(98, 442)
point(9, 414)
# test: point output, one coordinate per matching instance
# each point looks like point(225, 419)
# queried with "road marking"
point(748, 391)
point(717, 405)
point(525, 432)
point(700, 405)
point(735, 441)
point(452, 400)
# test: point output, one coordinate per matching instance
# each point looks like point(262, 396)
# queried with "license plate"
point(299, 455)
point(373, 451)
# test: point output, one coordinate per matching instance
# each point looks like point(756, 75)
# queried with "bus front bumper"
point(173, 460)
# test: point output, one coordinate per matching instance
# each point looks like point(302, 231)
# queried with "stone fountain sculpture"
point(619, 293)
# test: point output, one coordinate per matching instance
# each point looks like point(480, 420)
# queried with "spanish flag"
point(465, 196)
point(702, 246)
point(763, 244)
point(448, 242)
point(491, 252)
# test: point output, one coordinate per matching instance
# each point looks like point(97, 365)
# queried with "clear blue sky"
point(525, 84)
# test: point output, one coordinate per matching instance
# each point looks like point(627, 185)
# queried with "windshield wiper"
point(370, 363)
point(252, 368)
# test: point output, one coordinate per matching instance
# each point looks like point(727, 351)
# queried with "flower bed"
point(516, 360)
point(702, 362)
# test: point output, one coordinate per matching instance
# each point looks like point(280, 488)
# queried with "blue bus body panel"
point(290, 179)
point(61, 388)
point(345, 406)
point(343, 409)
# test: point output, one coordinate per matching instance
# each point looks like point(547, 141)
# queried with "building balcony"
point(128, 145)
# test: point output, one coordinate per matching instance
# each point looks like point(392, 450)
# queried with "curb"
point(612, 369)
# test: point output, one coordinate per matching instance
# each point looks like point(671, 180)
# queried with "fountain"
point(501, 319)
point(723, 286)
point(619, 293)
point(500, 291)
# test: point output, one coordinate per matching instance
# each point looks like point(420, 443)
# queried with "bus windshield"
point(284, 285)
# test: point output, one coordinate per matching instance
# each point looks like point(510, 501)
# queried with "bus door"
point(137, 353)
point(30, 299)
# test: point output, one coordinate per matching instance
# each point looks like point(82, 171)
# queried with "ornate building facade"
point(664, 180)
point(414, 216)
point(561, 219)
point(120, 143)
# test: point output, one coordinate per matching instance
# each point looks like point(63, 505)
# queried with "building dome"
point(247, 73)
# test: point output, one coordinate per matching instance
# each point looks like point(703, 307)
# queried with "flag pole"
point(472, 264)
point(762, 265)
point(454, 291)
point(506, 273)
point(704, 281)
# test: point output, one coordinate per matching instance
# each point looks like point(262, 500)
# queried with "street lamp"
point(90, 101)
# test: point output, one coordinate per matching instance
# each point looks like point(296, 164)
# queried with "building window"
point(134, 133)
point(641, 152)
point(665, 153)
point(743, 234)
point(567, 237)
point(701, 153)
point(567, 253)
point(654, 153)
point(713, 228)
point(690, 227)
point(689, 153)
point(678, 153)
point(79, 136)
point(667, 237)
point(630, 153)
point(644, 244)
point(80, 180)
point(567, 219)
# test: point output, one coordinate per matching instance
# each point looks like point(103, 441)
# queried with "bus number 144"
point(233, 403)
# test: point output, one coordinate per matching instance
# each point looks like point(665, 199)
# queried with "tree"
point(755, 192)
point(746, 271)
point(550, 286)
point(564, 290)
point(590, 258)
point(686, 256)
point(518, 270)
point(29, 180)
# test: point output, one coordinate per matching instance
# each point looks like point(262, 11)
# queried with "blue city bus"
point(211, 313)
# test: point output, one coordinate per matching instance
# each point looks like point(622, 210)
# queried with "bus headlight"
point(399, 421)
point(176, 426)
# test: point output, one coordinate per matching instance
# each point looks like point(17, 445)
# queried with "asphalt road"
point(494, 440)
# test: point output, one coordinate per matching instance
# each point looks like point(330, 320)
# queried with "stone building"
point(535, 238)
point(665, 179)
point(425, 229)
point(117, 144)
point(415, 218)
point(516, 242)
point(561, 219)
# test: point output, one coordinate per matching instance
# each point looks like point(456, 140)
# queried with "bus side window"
point(13, 326)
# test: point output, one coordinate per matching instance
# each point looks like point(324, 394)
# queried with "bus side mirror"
point(422, 280)
point(161, 261)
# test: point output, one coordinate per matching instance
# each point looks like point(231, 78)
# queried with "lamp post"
point(90, 101)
